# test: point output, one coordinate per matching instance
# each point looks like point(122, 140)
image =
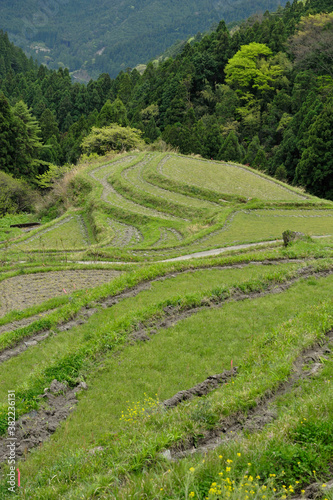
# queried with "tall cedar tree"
point(315, 169)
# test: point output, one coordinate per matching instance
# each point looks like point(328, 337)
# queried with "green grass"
point(170, 289)
point(261, 225)
point(6, 232)
point(296, 448)
point(196, 347)
point(67, 235)
point(69, 364)
point(142, 222)
point(131, 182)
point(227, 178)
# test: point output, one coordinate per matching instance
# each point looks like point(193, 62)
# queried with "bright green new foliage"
point(252, 68)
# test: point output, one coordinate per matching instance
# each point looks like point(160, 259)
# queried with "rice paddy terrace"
point(155, 206)
point(163, 344)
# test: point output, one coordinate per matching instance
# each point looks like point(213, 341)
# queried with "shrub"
point(112, 138)
point(15, 195)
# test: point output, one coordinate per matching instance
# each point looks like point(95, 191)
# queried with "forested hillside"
point(261, 96)
point(110, 36)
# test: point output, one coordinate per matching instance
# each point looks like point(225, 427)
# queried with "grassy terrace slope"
point(145, 206)
point(202, 378)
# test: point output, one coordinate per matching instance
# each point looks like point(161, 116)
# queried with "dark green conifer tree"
point(315, 169)
point(48, 125)
point(260, 161)
point(231, 149)
point(106, 115)
point(27, 144)
point(7, 136)
point(281, 173)
point(151, 130)
point(252, 150)
point(117, 113)
point(212, 139)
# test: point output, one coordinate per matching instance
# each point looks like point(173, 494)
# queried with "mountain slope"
point(107, 36)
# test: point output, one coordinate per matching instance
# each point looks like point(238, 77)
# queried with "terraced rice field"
point(225, 178)
point(148, 337)
point(149, 220)
point(111, 196)
point(136, 376)
point(245, 226)
point(134, 176)
point(69, 233)
point(124, 235)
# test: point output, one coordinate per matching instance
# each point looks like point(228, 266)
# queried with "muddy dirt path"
point(201, 389)
point(35, 427)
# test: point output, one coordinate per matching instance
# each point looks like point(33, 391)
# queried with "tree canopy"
point(112, 138)
point(248, 92)
point(252, 69)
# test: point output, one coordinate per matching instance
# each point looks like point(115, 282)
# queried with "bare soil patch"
point(201, 389)
point(22, 346)
point(36, 427)
point(315, 490)
point(24, 291)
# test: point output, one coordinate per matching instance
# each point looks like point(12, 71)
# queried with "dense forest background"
point(262, 96)
point(107, 36)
